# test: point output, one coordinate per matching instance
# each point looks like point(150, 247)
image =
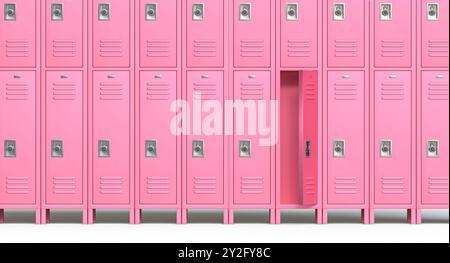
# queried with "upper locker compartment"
point(205, 33)
point(299, 33)
point(346, 29)
point(18, 33)
point(64, 33)
point(158, 33)
point(111, 33)
point(393, 29)
point(252, 23)
point(434, 17)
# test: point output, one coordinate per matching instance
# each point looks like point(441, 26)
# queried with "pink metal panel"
point(158, 171)
point(111, 33)
point(299, 33)
point(435, 115)
point(393, 29)
point(434, 33)
point(252, 20)
point(64, 33)
point(158, 33)
point(17, 135)
point(18, 33)
point(111, 178)
point(205, 33)
point(346, 29)
point(251, 160)
point(205, 175)
point(64, 138)
point(346, 137)
point(393, 175)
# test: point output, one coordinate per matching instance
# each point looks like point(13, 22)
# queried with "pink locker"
point(252, 23)
point(64, 33)
point(346, 29)
point(158, 154)
point(434, 154)
point(158, 33)
point(64, 139)
point(111, 144)
point(251, 169)
point(111, 33)
point(299, 33)
point(205, 165)
point(346, 138)
point(393, 33)
point(393, 120)
point(434, 33)
point(18, 33)
point(205, 33)
point(17, 134)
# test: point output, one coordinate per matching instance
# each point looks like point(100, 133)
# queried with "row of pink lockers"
point(206, 23)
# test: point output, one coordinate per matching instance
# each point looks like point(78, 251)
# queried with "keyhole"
point(432, 12)
point(385, 12)
point(291, 12)
point(338, 149)
point(244, 12)
point(385, 149)
point(10, 12)
point(104, 148)
point(10, 148)
point(197, 12)
point(338, 12)
point(197, 149)
point(244, 149)
point(151, 12)
point(432, 149)
point(57, 12)
point(151, 149)
point(104, 12)
point(57, 148)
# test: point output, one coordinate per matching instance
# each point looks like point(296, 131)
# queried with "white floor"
point(251, 227)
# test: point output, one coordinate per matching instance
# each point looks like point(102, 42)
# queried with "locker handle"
point(308, 149)
point(440, 76)
point(64, 76)
point(111, 76)
point(205, 76)
point(393, 76)
point(253, 76)
point(17, 77)
point(346, 76)
point(158, 76)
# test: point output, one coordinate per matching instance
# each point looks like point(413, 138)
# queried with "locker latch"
point(386, 12)
point(308, 149)
point(245, 12)
point(57, 149)
point(386, 149)
point(104, 149)
point(10, 149)
point(198, 149)
point(339, 149)
point(433, 11)
point(103, 12)
point(433, 149)
point(197, 12)
point(245, 149)
point(57, 12)
point(339, 12)
point(10, 12)
point(292, 12)
point(150, 149)
point(150, 12)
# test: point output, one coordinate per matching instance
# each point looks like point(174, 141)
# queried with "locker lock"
point(10, 12)
point(245, 149)
point(433, 149)
point(57, 11)
point(292, 12)
point(433, 11)
point(150, 149)
point(198, 149)
point(386, 12)
point(150, 11)
point(10, 149)
point(197, 12)
point(244, 11)
point(308, 149)
point(57, 149)
point(386, 149)
point(339, 149)
point(104, 149)
point(103, 12)
point(339, 11)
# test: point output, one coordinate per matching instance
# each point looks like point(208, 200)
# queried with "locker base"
point(138, 216)
point(274, 214)
point(2, 216)
point(185, 216)
point(91, 216)
point(412, 218)
point(46, 216)
point(365, 216)
point(37, 216)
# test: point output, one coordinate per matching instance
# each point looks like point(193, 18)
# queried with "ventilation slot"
point(158, 48)
point(111, 185)
point(207, 91)
point(345, 91)
point(158, 91)
point(299, 48)
point(111, 91)
point(111, 48)
point(17, 91)
point(252, 185)
point(393, 185)
point(346, 186)
point(345, 48)
point(252, 91)
point(438, 48)
point(17, 185)
point(310, 91)
point(438, 91)
point(157, 185)
point(438, 185)
point(205, 48)
point(17, 48)
point(252, 48)
point(64, 185)
point(392, 91)
point(392, 48)
point(64, 91)
point(205, 185)
point(64, 48)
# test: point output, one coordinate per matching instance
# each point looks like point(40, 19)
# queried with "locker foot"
point(137, 216)
point(2, 216)
point(319, 217)
point(419, 216)
point(38, 216)
point(412, 216)
point(132, 217)
point(91, 216)
point(225, 217)
point(44, 213)
point(179, 217)
point(365, 216)
point(231, 216)
point(85, 217)
point(277, 216)
point(324, 216)
point(273, 216)
point(184, 216)
point(371, 216)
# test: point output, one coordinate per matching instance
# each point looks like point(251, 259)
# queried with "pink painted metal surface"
point(393, 33)
point(345, 148)
point(64, 33)
point(435, 115)
point(393, 124)
point(158, 33)
point(252, 36)
point(158, 146)
point(64, 139)
point(18, 178)
point(299, 33)
point(18, 33)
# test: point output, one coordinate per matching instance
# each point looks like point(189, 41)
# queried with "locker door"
point(205, 166)
point(158, 154)
point(393, 175)
point(64, 138)
point(346, 33)
point(299, 33)
point(434, 16)
point(64, 33)
point(435, 168)
point(310, 138)
point(251, 160)
point(111, 33)
point(17, 135)
point(393, 29)
point(205, 34)
point(111, 179)
point(158, 33)
point(18, 33)
point(346, 137)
